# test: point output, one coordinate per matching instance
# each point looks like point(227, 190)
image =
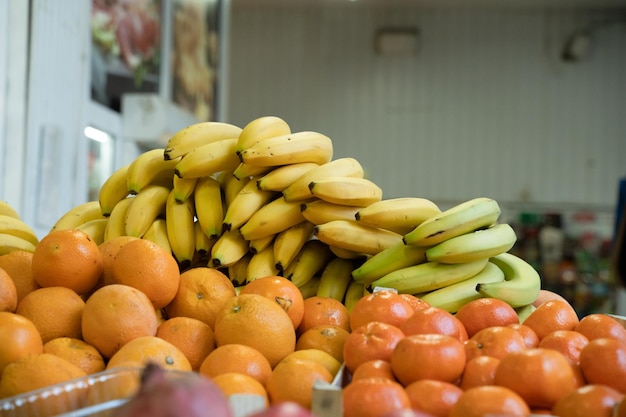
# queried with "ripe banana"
point(183, 187)
point(354, 293)
point(395, 257)
point(400, 215)
point(247, 201)
point(208, 159)
point(78, 215)
point(309, 289)
point(147, 205)
point(15, 226)
point(466, 217)
point(179, 221)
point(209, 206)
point(229, 248)
point(245, 170)
point(116, 226)
point(10, 243)
point(149, 167)
point(262, 264)
point(203, 242)
point(452, 297)
point(278, 179)
point(347, 191)
point(356, 237)
point(260, 129)
point(95, 229)
point(157, 233)
point(429, 276)
point(272, 218)
point(8, 210)
point(289, 242)
point(196, 135)
point(293, 148)
point(231, 186)
point(258, 245)
point(335, 278)
point(113, 190)
point(521, 283)
point(482, 243)
point(238, 271)
point(320, 211)
point(347, 254)
point(311, 259)
point(342, 167)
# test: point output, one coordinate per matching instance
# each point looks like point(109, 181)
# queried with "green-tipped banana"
point(400, 215)
point(13, 226)
point(452, 297)
point(463, 218)
point(521, 283)
point(113, 190)
point(10, 243)
point(524, 311)
point(335, 278)
point(429, 276)
point(391, 259)
point(196, 135)
point(356, 237)
point(482, 243)
point(311, 259)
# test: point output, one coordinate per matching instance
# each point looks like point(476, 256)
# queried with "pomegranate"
point(161, 395)
point(284, 409)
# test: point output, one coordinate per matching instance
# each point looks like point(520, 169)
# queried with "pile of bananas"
point(15, 234)
point(263, 200)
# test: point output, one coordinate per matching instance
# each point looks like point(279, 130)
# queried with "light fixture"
point(97, 134)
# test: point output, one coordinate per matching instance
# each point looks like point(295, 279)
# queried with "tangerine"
point(19, 336)
point(486, 312)
point(569, 342)
point(19, 265)
point(374, 340)
point(385, 305)
point(8, 292)
point(603, 361)
point(373, 397)
point(530, 337)
point(495, 341)
point(328, 338)
point(149, 349)
point(78, 352)
point(433, 397)
point(490, 400)
point(108, 250)
point(552, 315)
point(598, 325)
point(292, 380)
point(592, 400)
point(231, 383)
point(236, 357)
point(281, 290)
point(193, 337)
point(433, 320)
point(323, 310)
point(480, 370)
point(374, 368)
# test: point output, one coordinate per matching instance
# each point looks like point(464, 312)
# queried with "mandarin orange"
point(373, 397)
point(374, 340)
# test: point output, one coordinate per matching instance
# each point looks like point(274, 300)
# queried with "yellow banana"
point(78, 215)
point(400, 215)
point(279, 178)
point(395, 257)
point(354, 293)
point(116, 226)
point(309, 289)
point(289, 242)
point(320, 211)
point(113, 190)
point(95, 229)
point(149, 167)
point(183, 187)
point(208, 160)
point(293, 148)
point(238, 271)
point(204, 243)
point(311, 259)
point(335, 278)
point(157, 233)
point(15, 226)
point(261, 265)
point(347, 253)
point(229, 248)
point(245, 170)
point(347, 191)
point(8, 210)
point(260, 129)
point(147, 205)
point(259, 244)
point(10, 243)
point(356, 237)
point(196, 135)
point(247, 201)
point(272, 218)
point(179, 221)
point(231, 186)
point(209, 206)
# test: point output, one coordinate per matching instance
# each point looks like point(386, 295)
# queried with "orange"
point(489, 400)
point(530, 337)
point(431, 356)
point(593, 400)
point(116, 314)
point(19, 337)
point(239, 358)
point(415, 302)
point(495, 341)
point(56, 311)
point(8, 292)
point(480, 370)
point(324, 358)
point(433, 320)
point(150, 349)
point(193, 337)
point(19, 265)
point(598, 325)
point(374, 340)
point(293, 379)
point(386, 306)
point(78, 352)
point(325, 337)
point(281, 290)
point(568, 342)
point(67, 258)
point(257, 321)
point(202, 292)
point(621, 409)
point(540, 376)
point(603, 361)
point(236, 383)
point(547, 295)
point(374, 368)
point(323, 310)
point(108, 250)
point(552, 315)
point(373, 397)
point(485, 312)
point(147, 266)
point(433, 397)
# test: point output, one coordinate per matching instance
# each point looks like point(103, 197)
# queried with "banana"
point(346, 253)
point(10, 243)
point(468, 216)
point(429, 276)
point(305, 146)
point(209, 206)
point(311, 259)
point(204, 243)
point(14, 226)
point(258, 245)
point(320, 211)
point(354, 293)
point(335, 278)
point(482, 243)
point(183, 187)
point(247, 201)
point(342, 167)
point(147, 205)
point(356, 237)
point(78, 215)
point(208, 159)
point(262, 264)
point(238, 271)
point(196, 135)
point(116, 226)
point(149, 167)
point(279, 178)
point(395, 257)
point(229, 248)
point(245, 170)
point(260, 129)
point(8, 210)
point(113, 190)
point(272, 218)
point(400, 215)
point(452, 297)
point(309, 289)
point(157, 233)
point(347, 191)
point(521, 283)
point(95, 229)
point(289, 242)
point(231, 186)
point(180, 224)
point(524, 311)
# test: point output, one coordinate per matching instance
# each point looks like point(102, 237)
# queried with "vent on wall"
point(396, 41)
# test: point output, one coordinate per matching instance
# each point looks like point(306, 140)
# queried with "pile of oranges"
point(74, 308)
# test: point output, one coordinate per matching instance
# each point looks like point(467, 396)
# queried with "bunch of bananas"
point(15, 234)
point(263, 200)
